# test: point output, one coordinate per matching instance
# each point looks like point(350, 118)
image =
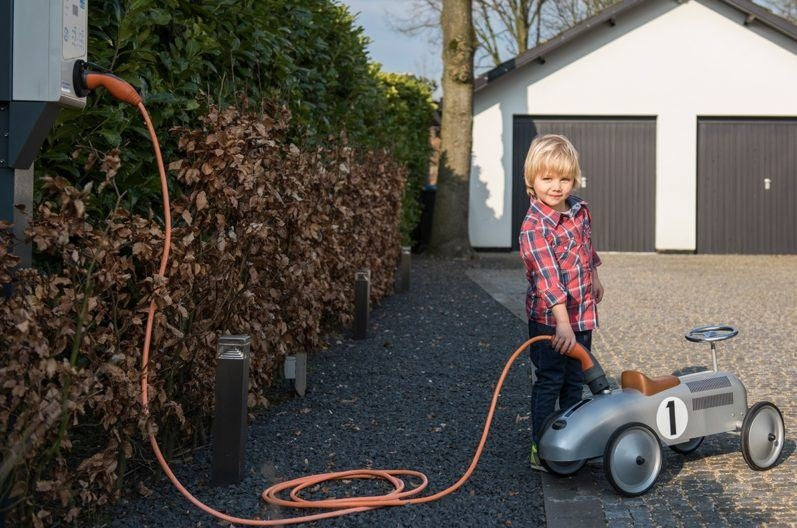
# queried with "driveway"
point(651, 301)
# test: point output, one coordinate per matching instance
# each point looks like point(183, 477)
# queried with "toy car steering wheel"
point(711, 333)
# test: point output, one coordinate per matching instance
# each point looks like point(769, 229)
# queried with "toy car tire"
point(560, 469)
point(685, 448)
point(632, 459)
point(763, 436)
point(563, 469)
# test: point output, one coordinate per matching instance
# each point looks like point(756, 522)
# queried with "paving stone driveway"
point(651, 301)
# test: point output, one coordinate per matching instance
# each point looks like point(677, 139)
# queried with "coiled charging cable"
point(340, 506)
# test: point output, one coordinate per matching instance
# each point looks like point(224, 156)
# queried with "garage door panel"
point(737, 160)
point(618, 158)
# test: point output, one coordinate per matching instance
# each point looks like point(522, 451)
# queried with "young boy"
point(563, 283)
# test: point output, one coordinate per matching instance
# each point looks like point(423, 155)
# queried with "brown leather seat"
point(632, 379)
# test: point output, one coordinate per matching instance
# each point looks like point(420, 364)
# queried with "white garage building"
point(685, 117)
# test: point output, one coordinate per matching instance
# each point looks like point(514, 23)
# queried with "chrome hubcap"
point(635, 460)
point(765, 437)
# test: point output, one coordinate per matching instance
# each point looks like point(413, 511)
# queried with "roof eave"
point(538, 53)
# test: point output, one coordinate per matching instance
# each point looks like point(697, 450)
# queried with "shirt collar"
point(552, 216)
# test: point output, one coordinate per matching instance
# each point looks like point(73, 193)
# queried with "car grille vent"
point(708, 384)
point(715, 400)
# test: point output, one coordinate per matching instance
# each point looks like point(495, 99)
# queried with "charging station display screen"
point(74, 28)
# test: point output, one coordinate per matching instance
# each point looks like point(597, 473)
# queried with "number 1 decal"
point(672, 417)
point(671, 407)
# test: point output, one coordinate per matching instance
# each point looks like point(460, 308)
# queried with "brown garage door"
point(746, 185)
point(618, 161)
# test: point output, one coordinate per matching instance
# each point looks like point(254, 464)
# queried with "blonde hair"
point(554, 154)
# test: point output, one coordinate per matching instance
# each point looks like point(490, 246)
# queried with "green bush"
point(186, 55)
point(410, 112)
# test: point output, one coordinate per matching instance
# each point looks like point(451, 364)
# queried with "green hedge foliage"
point(184, 56)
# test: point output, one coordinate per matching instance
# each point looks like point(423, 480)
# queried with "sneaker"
point(534, 459)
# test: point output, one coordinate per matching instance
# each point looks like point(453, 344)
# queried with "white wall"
point(673, 61)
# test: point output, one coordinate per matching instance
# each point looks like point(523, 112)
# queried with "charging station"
point(40, 42)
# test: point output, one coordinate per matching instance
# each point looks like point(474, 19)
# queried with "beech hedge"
point(266, 241)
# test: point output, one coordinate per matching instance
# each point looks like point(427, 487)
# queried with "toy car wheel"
point(632, 459)
point(563, 469)
point(763, 434)
point(685, 448)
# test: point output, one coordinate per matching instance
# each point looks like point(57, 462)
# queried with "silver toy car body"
point(626, 426)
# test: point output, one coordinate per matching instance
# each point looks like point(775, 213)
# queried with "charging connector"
point(86, 80)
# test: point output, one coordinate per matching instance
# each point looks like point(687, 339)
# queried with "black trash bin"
point(423, 231)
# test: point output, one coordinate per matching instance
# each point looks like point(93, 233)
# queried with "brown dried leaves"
point(266, 240)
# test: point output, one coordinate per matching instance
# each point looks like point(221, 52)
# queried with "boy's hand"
point(564, 339)
point(597, 287)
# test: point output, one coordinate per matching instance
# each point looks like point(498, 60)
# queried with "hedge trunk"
point(450, 226)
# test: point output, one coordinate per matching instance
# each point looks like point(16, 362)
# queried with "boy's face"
point(553, 190)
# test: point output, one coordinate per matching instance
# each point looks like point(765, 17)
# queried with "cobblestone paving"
point(651, 301)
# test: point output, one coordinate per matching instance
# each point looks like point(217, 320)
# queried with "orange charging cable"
point(397, 497)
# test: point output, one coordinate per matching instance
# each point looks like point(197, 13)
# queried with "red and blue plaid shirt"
point(557, 252)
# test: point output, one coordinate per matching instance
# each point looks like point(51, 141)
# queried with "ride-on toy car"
point(627, 426)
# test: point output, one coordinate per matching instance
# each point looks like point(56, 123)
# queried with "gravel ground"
point(413, 395)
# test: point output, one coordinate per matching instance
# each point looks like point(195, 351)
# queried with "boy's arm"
point(565, 338)
point(597, 286)
point(596, 260)
point(538, 257)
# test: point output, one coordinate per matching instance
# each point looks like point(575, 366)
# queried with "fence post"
point(229, 422)
point(404, 269)
point(362, 307)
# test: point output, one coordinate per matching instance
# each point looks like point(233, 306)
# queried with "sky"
point(395, 51)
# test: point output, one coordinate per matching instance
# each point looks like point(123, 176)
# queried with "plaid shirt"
point(557, 252)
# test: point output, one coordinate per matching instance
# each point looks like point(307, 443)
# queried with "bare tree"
point(564, 14)
point(450, 224)
point(785, 8)
point(506, 25)
point(505, 28)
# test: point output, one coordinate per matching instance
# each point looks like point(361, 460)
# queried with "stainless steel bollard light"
point(229, 424)
point(295, 372)
point(404, 270)
point(362, 304)
point(300, 383)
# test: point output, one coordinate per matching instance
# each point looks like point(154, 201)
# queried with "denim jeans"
point(558, 376)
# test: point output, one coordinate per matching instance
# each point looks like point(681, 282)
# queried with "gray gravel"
point(413, 395)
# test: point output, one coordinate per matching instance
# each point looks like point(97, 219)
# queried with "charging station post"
point(40, 42)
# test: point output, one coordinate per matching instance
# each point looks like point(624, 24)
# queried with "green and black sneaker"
point(534, 459)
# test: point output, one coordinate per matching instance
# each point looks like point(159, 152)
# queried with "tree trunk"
point(450, 226)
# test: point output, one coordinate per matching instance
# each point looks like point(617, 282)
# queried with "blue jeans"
point(558, 376)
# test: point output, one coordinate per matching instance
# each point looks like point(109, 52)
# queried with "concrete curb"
point(569, 501)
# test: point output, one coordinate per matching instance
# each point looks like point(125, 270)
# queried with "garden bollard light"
point(300, 383)
point(295, 372)
point(404, 269)
point(229, 424)
point(362, 294)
